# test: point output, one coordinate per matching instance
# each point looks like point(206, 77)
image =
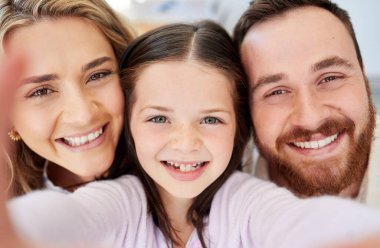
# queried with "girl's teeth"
point(78, 141)
point(317, 143)
point(184, 167)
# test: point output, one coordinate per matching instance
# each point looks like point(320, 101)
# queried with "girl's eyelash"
point(158, 119)
point(40, 92)
point(211, 120)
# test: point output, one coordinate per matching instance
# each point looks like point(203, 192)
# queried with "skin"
point(302, 76)
point(183, 114)
point(69, 89)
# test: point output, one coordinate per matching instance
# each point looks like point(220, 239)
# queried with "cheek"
point(33, 123)
point(268, 123)
point(114, 100)
point(353, 103)
point(220, 143)
point(145, 141)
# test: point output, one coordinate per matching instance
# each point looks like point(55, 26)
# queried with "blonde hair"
point(27, 166)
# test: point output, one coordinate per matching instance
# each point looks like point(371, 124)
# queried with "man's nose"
point(309, 110)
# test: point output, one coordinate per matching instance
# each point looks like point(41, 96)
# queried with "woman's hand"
point(370, 242)
point(10, 69)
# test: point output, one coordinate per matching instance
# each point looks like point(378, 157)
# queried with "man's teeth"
point(185, 167)
point(78, 141)
point(316, 144)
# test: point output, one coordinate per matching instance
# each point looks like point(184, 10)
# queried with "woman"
point(71, 99)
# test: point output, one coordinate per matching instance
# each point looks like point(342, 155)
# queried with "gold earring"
point(14, 135)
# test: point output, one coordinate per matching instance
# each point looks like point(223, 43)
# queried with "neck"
point(177, 209)
point(64, 178)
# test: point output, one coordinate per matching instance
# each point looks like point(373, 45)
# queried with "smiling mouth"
point(316, 144)
point(184, 166)
point(76, 141)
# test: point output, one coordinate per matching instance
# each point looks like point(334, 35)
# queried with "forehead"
point(190, 79)
point(298, 37)
point(58, 39)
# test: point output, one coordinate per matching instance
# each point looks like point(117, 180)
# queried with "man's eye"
point(41, 92)
point(276, 92)
point(329, 78)
point(158, 119)
point(210, 120)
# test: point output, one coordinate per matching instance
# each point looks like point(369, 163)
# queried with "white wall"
point(365, 17)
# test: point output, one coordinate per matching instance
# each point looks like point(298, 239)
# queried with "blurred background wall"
point(147, 14)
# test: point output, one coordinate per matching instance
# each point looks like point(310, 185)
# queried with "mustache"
point(327, 128)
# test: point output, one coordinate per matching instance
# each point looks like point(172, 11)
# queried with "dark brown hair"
point(25, 164)
point(263, 10)
point(209, 44)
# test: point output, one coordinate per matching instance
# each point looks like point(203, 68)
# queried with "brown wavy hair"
point(27, 166)
point(209, 44)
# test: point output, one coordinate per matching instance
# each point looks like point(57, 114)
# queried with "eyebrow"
point(269, 79)
point(51, 77)
point(323, 64)
point(95, 63)
point(165, 109)
point(329, 62)
point(160, 108)
point(216, 110)
point(40, 79)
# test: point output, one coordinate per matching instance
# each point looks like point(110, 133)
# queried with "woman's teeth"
point(184, 167)
point(81, 140)
point(316, 144)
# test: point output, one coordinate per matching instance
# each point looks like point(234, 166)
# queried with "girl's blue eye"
point(159, 119)
point(40, 92)
point(210, 120)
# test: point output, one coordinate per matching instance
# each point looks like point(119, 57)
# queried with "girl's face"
point(69, 108)
point(183, 125)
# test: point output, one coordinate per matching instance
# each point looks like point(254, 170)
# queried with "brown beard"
point(310, 178)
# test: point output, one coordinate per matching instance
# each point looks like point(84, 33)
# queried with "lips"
point(316, 144)
point(184, 166)
point(76, 141)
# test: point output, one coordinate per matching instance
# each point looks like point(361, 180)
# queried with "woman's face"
point(69, 107)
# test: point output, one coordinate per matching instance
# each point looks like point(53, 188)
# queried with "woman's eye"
point(210, 120)
point(159, 119)
point(41, 92)
point(99, 75)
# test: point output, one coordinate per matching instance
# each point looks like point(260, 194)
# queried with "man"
point(312, 113)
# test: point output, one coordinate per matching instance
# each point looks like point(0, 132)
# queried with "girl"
point(188, 124)
point(68, 113)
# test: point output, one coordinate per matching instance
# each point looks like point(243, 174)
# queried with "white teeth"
point(78, 141)
point(184, 167)
point(317, 143)
point(314, 144)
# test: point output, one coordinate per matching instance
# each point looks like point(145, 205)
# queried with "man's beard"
point(329, 176)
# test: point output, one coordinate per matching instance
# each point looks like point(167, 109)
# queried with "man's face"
point(312, 116)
